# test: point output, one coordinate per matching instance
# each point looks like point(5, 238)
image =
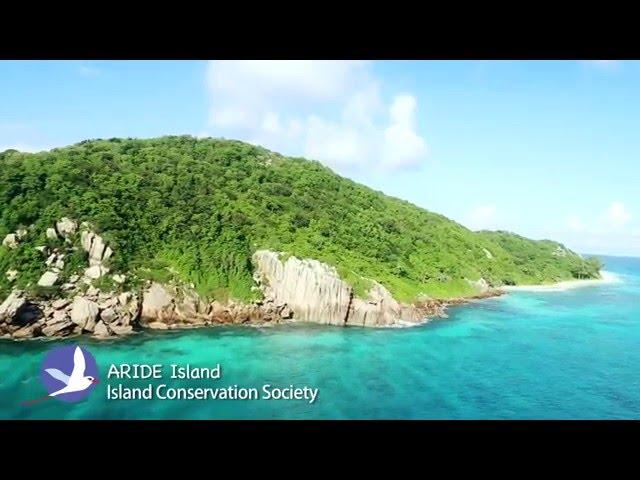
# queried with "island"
point(108, 237)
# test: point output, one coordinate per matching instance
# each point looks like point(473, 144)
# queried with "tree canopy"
point(198, 208)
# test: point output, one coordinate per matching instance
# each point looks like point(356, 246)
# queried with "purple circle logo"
point(69, 373)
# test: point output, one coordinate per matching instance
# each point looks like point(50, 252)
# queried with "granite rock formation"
point(315, 293)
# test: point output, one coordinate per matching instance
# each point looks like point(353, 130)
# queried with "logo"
point(69, 374)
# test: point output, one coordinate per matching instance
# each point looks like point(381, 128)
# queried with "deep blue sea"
point(572, 354)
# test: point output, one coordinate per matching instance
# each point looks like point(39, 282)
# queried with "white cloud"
point(335, 143)
point(482, 217)
point(331, 111)
point(403, 146)
point(268, 80)
point(617, 214)
point(575, 224)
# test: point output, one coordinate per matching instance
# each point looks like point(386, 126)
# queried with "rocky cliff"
point(315, 293)
point(313, 290)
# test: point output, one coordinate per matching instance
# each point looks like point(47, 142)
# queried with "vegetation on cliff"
point(196, 209)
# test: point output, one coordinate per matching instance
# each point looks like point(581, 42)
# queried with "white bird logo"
point(76, 382)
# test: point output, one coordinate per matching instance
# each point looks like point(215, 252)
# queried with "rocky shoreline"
point(104, 315)
point(107, 315)
point(293, 290)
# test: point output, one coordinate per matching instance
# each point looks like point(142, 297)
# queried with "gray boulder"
point(86, 238)
point(101, 330)
point(94, 272)
point(96, 248)
point(84, 313)
point(11, 305)
point(48, 279)
point(124, 298)
point(59, 316)
point(108, 315)
point(27, 331)
point(59, 326)
point(96, 251)
point(10, 241)
point(121, 330)
point(92, 292)
point(157, 303)
point(60, 303)
point(66, 227)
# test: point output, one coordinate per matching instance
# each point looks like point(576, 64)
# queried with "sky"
point(546, 149)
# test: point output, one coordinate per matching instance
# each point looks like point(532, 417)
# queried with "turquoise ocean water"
point(572, 354)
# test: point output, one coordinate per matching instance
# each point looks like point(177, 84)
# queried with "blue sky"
point(545, 149)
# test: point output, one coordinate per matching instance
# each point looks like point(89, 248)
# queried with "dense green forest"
point(196, 209)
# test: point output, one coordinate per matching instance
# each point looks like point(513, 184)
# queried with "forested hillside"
point(196, 209)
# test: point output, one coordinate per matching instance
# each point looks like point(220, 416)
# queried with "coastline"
point(606, 277)
point(423, 313)
point(437, 309)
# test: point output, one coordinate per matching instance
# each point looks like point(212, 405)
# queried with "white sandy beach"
point(606, 277)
